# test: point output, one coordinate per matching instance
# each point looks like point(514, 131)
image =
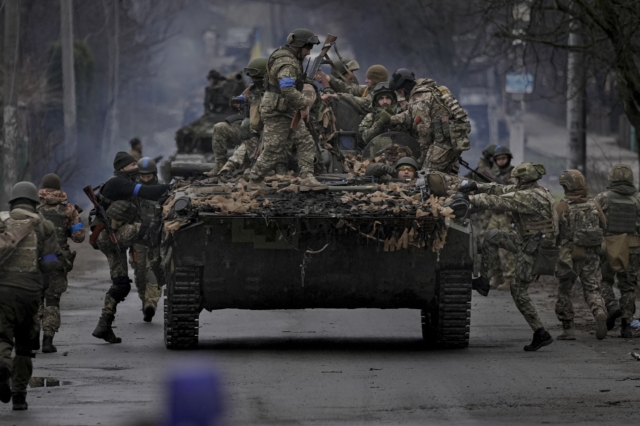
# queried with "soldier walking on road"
point(282, 100)
point(580, 226)
point(536, 227)
point(56, 208)
point(21, 284)
point(621, 206)
point(121, 196)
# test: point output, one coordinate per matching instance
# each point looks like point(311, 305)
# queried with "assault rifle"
point(480, 175)
point(315, 67)
point(105, 224)
point(421, 184)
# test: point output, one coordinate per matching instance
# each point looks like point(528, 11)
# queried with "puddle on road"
point(47, 382)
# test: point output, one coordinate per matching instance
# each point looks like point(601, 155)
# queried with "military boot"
point(20, 402)
point(496, 281)
point(5, 388)
point(149, 311)
point(541, 338)
point(47, 345)
point(613, 313)
point(505, 286)
point(568, 332)
point(481, 285)
point(625, 330)
point(281, 169)
point(104, 331)
point(601, 324)
point(311, 182)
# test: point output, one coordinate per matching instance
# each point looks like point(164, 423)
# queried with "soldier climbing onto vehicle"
point(282, 101)
point(342, 75)
point(21, 285)
point(385, 106)
point(55, 207)
point(360, 96)
point(438, 121)
point(580, 239)
point(121, 196)
point(533, 239)
point(621, 206)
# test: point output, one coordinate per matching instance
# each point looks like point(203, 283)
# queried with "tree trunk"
point(111, 127)
point(68, 80)
point(11, 136)
point(576, 104)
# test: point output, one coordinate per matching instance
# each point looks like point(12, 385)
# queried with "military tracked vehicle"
point(353, 244)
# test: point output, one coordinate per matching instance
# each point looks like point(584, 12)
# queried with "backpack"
point(11, 236)
point(458, 127)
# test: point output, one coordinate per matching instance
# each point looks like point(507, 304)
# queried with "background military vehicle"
point(353, 245)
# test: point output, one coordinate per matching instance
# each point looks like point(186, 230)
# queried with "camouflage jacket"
point(341, 86)
point(53, 201)
point(626, 217)
point(370, 127)
point(285, 79)
point(532, 207)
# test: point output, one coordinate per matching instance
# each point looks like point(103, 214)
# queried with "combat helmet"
point(621, 173)
point(147, 166)
point(572, 180)
point(256, 68)
point(301, 37)
point(383, 89)
point(24, 190)
point(487, 153)
point(407, 161)
point(502, 150)
point(528, 172)
point(403, 79)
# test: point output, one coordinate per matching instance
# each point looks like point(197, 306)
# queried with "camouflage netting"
point(367, 211)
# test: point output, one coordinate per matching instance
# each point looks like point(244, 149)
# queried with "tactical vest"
point(60, 221)
point(583, 224)
point(527, 227)
point(148, 210)
point(622, 214)
point(25, 256)
point(273, 85)
point(120, 212)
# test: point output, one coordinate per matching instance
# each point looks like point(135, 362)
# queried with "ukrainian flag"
point(256, 50)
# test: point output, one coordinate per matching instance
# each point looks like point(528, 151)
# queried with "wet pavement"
point(326, 367)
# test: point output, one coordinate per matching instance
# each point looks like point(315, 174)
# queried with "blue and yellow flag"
point(256, 50)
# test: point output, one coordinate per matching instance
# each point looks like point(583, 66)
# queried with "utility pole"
point(9, 149)
point(576, 103)
point(116, 72)
point(68, 81)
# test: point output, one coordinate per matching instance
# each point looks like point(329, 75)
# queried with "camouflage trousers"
point(224, 136)
point(502, 221)
point(18, 311)
point(627, 282)
point(588, 270)
point(127, 235)
point(243, 153)
point(509, 240)
point(278, 140)
point(440, 157)
point(49, 310)
point(144, 259)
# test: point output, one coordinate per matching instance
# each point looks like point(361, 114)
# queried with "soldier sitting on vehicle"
point(362, 96)
point(342, 75)
point(385, 105)
point(405, 168)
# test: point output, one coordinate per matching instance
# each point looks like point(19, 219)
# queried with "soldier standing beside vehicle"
point(581, 222)
point(282, 100)
point(55, 207)
point(121, 196)
point(21, 286)
point(438, 121)
point(621, 206)
point(533, 239)
point(147, 256)
point(385, 106)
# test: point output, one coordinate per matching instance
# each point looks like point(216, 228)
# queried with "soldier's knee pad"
point(52, 301)
point(120, 288)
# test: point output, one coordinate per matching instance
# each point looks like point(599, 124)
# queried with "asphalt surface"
point(334, 367)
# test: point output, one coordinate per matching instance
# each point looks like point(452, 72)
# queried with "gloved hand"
point(383, 117)
point(389, 170)
point(468, 188)
point(236, 103)
point(460, 205)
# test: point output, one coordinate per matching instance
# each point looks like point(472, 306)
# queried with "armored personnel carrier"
point(352, 244)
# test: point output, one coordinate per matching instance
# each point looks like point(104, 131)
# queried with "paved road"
point(334, 367)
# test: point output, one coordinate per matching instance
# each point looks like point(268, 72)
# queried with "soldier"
point(344, 71)
point(136, 148)
point(120, 196)
point(438, 121)
point(21, 288)
point(362, 96)
point(385, 105)
point(405, 168)
point(502, 220)
point(581, 222)
point(621, 206)
point(147, 257)
point(248, 133)
point(55, 207)
point(215, 100)
point(536, 227)
point(282, 100)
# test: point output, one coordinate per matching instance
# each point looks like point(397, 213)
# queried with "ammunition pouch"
point(588, 237)
point(546, 260)
point(578, 253)
point(617, 252)
point(122, 211)
point(233, 118)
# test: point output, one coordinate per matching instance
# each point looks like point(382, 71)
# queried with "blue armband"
point(47, 258)
point(137, 189)
point(241, 98)
point(76, 227)
point(287, 82)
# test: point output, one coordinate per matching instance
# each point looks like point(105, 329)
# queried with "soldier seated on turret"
point(402, 166)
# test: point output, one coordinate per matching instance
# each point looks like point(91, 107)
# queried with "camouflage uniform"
point(370, 127)
point(21, 286)
point(226, 134)
point(502, 220)
point(280, 103)
point(621, 206)
point(532, 208)
point(67, 223)
point(147, 260)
